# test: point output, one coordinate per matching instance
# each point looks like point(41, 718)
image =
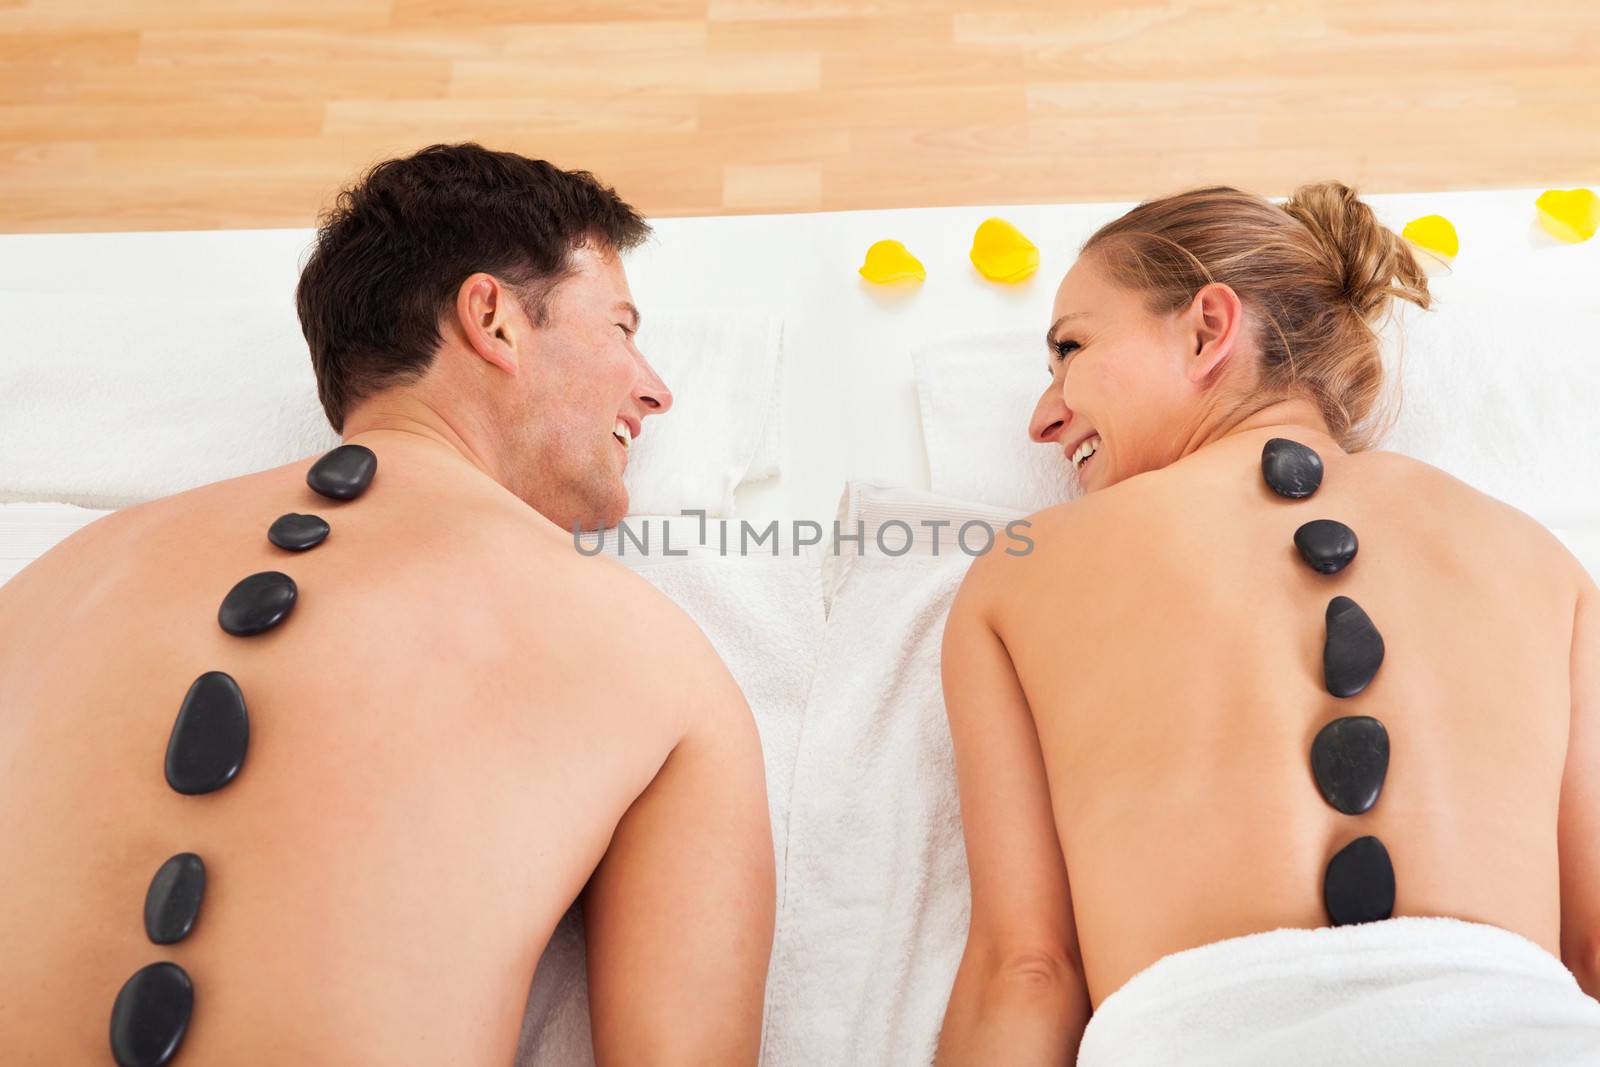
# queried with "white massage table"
point(868, 777)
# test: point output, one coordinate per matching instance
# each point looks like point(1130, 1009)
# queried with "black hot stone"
point(150, 1016)
point(344, 473)
point(1349, 759)
point(257, 603)
point(1290, 468)
point(298, 532)
point(1354, 648)
point(1327, 545)
point(1359, 884)
point(173, 901)
point(211, 736)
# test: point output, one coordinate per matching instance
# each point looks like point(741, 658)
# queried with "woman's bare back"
point(1169, 639)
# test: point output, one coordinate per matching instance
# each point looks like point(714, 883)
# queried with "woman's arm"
point(1579, 823)
point(1019, 996)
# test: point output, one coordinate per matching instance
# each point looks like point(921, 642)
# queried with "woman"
point(1138, 706)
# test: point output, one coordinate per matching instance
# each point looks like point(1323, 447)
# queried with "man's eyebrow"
point(1050, 334)
point(623, 305)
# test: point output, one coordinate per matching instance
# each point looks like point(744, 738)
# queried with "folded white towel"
point(976, 393)
point(875, 913)
point(116, 400)
point(1410, 992)
point(723, 370)
point(1496, 385)
point(764, 617)
point(1498, 388)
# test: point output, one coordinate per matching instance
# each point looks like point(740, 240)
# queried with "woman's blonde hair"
point(1318, 272)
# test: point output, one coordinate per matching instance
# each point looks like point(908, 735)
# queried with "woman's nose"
point(1049, 415)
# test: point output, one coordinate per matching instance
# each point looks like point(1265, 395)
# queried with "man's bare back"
point(1168, 637)
point(445, 734)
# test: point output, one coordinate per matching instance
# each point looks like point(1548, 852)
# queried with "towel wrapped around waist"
point(1407, 991)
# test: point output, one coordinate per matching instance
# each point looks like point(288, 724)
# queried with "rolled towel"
point(1410, 991)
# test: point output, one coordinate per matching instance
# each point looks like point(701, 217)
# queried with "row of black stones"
point(1350, 755)
point(205, 752)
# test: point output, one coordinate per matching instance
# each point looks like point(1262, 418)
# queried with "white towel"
point(1409, 992)
point(1584, 543)
point(110, 401)
point(764, 617)
point(723, 368)
point(1497, 388)
point(976, 392)
point(875, 913)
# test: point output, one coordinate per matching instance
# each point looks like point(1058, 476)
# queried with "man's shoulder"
point(536, 559)
point(596, 591)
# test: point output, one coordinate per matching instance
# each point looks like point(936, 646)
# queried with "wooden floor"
point(189, 114)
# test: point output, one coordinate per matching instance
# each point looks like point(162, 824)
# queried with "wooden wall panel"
point(160, 114)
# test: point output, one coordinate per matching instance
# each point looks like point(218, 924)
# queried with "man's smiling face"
point(586, 391)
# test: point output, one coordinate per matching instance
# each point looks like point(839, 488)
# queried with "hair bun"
point(1366, 261)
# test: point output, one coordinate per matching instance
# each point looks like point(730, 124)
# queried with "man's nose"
point(1049, 416)
point(652, 393)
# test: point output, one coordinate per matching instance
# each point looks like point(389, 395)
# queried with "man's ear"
point(488, 314)
point(1215, 322)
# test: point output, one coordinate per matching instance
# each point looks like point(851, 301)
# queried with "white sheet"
point(107, 401)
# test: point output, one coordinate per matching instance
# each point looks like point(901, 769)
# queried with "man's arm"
point(1019, 996)
point(1579, 823)
point(679, 913)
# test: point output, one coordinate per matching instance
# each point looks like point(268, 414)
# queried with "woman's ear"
point(1216, 320)
point(485, 314)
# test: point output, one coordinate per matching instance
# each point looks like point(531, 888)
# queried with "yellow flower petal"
point(1001, 253)
point(888, 261)
point(1435, 233)
point(1570, 215)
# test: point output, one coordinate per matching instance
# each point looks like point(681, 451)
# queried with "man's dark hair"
point(391, 255)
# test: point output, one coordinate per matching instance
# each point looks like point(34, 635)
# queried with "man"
point(461, 725)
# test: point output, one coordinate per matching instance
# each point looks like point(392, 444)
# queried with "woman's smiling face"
point(1127, 385)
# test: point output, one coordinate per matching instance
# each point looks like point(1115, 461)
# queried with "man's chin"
point(589, 513)
point(610, 511)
